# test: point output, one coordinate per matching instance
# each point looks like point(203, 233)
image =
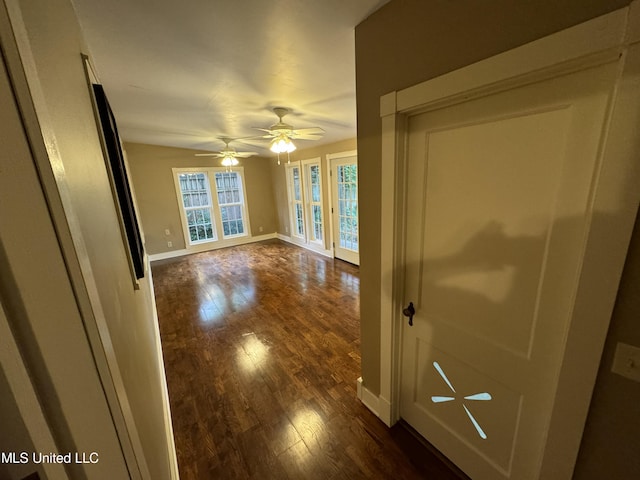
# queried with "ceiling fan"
point(229, 155)
point(282, 133)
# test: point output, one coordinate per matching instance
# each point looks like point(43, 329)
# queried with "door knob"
point(409, 312)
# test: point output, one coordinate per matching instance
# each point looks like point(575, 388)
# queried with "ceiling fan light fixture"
point(282, 144)
point(229, 161)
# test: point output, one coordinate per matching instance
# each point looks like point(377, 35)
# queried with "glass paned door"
point(196, 201)
point(344, 174)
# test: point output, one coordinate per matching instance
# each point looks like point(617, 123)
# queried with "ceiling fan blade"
point(268, 135)
point(308, 131)
point(306, 137)
point(207, 154)
point(244, 154)
point(282, 130)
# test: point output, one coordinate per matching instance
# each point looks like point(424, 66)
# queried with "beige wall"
point(156, 194)
point(67, 123)
point(611, 443)
point(278, 173)
point(410, 41)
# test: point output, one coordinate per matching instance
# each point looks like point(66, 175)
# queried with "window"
point(196, 201)
point(314, 181)
point(230, 200)
point(304, 187)
point(295, 195)
point(209, 218)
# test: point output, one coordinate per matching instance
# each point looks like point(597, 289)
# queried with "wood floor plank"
point(262, 351)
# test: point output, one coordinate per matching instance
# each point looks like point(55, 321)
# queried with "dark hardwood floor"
point(262, 352)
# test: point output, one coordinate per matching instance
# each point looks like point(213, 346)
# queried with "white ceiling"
point(183, 73)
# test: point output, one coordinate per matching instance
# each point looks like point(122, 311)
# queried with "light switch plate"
point(626, 361)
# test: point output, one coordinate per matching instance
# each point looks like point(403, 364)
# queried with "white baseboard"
point(168, 424)
point(369, 399)
point(321, 251)
point(212, 246)
point(384, 412)
point(171, 254)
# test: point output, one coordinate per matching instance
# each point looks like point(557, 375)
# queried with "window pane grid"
point(317, 222)
point(197, 206)
point(297, 191)
point(315, 202)
point(228, 186)
point(299, 221)
point(348, 206)
point(298, 210)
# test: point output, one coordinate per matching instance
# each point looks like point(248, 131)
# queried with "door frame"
point(614, 37)
point(332, 231)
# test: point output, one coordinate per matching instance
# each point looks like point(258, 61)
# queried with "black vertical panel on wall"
point(120, 179)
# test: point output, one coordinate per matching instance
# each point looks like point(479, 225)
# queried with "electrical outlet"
point(286, 229)
point(626, 361)
point(167, 232)
point(169, 244)
point(261, 228)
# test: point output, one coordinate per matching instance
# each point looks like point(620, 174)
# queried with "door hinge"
point(331, 209)
point(334, 244)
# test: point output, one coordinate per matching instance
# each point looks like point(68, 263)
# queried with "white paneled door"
point(497, 211)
